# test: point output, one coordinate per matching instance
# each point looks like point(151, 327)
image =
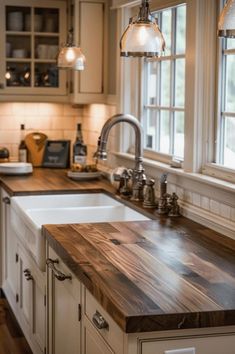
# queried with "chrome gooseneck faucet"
point(138, 176)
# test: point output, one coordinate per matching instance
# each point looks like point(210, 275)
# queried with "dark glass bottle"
point(79, 148)
point(22, 147)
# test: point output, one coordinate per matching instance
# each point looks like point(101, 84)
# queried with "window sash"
point(158, 107)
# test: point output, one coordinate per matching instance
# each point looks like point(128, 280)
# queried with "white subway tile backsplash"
point(214, 207)
point(171, 188)
point(188, 196)
point(69, 110)
point(232, 214)
point(6, 109)
point(57, 121)
point(9, 137)
point(11, 122)
point(225, 211)
point(50, 109)
point(205, 202)
point(197, 199)
point(180, 192)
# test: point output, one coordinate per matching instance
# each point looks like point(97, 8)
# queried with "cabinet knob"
point(99, 321)
point(6, 200)
point(27, 274)
point(57, 273)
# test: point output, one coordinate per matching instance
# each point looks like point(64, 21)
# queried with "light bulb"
point(70, 55)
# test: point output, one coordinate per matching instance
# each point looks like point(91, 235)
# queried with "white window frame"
point(200, 87)
point(157, 155)
point(211, 166)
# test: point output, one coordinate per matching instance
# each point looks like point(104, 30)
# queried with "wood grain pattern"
point(150, 276)
point(48, 181)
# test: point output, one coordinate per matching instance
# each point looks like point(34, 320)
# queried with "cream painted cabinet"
point(31, 33)
point(9, 254)
point(32, 301)
point(91, 31)
point(210, 344)
point(22, 282)
point(92, 341)
point(64, 308)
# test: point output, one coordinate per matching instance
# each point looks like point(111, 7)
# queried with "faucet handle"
point(174, 209)
point(149, 194)
point(123, 175)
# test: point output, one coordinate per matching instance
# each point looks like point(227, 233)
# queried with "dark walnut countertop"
point(44, 181)
point(152, 275)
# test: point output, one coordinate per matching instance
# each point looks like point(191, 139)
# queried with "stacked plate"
point(83, 176)
point(15, 21)
point(16, 168)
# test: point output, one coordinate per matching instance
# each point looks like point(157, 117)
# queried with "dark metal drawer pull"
point(6, 200)
point(58, 274)
point(27, 274)
point(99, 321)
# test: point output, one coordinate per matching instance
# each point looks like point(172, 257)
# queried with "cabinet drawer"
point(113, 335)
point(203, 345)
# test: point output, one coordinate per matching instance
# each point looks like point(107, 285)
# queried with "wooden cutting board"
point(35, 143)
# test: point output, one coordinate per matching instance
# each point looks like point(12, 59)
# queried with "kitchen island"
point(166, 274)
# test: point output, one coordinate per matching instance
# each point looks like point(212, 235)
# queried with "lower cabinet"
point(64, 308)
point(23, 283)
point(93, 343)
point(32, 300)
point(58, 315)
point(8, 252)
point(201, 344)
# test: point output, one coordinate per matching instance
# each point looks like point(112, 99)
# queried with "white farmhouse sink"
point(29, 213)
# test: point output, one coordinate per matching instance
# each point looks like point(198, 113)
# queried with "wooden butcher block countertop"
point(151, 275)
point(48, 181)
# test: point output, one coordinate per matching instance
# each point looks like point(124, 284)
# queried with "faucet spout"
point(138, 177)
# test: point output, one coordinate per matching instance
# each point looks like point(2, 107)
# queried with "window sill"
point(204, 179)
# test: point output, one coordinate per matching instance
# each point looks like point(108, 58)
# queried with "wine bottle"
point(22, 147)
point(79, 148)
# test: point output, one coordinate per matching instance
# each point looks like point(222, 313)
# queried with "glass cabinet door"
point(32, 36)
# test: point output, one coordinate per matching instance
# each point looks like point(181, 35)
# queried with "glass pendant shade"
point(226, 27)
point(142, 37)
point(70, 56)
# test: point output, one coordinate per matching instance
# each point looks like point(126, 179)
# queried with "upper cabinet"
point(31, 33)
point(91, 32)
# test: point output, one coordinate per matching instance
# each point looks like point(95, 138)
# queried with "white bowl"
point(16, 168)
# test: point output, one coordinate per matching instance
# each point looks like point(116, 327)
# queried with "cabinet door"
point(93, 343)
point(202, 345)
point(25, 290)
point(32, 314)
point(9, 252)
point(38, 329)
point(63, 310)
point(90, 85)
point(31, 34)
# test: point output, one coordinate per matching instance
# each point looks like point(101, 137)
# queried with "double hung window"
point(226, 121)
point(163, 110)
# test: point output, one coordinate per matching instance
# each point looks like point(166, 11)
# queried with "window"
point(164, 88)
point(226, 126)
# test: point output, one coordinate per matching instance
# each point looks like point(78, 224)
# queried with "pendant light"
point(142, 37)
point(226, 27)
point(70, 56)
